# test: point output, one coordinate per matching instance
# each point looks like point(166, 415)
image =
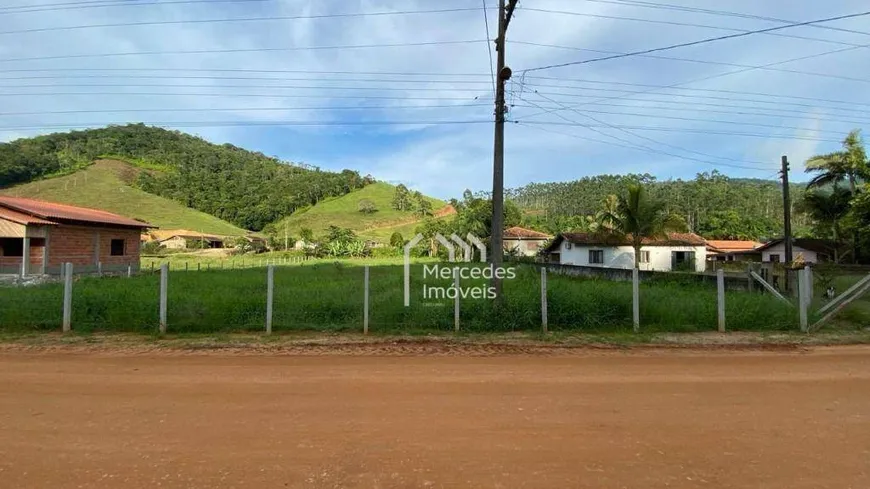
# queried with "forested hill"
point(246, 188)
point(713, 204)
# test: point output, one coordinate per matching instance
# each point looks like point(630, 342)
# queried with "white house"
point(524, 242)
point(803, 249)
point(679, 251)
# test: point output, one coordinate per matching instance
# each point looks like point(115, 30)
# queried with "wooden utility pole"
point(503, 74)
point(786, 224)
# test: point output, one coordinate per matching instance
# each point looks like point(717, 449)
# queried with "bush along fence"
point(338, 297)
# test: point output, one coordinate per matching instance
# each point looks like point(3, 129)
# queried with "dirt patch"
point(636, 418)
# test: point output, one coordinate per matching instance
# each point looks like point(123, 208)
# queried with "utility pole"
point(786, 225)
point(503, 74)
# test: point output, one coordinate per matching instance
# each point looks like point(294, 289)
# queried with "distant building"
point(803, 249)
point(524, 242)
point(733, 250)
point(179, 239)
point(36, 237)
point(678, 251)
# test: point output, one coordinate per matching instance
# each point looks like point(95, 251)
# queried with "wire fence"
point(335, 296)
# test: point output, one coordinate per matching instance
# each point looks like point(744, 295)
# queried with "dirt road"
point(589, 419)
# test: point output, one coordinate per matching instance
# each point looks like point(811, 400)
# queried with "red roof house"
point(37, 237)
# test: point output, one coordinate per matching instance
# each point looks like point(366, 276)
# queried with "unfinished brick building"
point(37, 237)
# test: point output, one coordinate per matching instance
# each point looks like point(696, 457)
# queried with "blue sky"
point(274, 77)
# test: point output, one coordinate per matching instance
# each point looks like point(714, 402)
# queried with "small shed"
point(37, 237)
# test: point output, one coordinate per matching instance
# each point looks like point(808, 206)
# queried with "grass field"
point(329, 297)
point(344, 212)
point(104, 185)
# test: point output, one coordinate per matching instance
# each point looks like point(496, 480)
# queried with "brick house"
point(44, 235)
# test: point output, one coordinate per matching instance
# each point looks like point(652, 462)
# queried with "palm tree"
point(828, 207)
point(637, 217)
point(848, 165)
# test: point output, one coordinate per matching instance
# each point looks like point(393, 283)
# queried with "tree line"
point(713, 205)
point(246, 188)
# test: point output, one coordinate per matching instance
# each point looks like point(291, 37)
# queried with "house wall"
point(779, 249)
point(176, 243)
point(84, 247)
point(623, 256)
point(525, 247)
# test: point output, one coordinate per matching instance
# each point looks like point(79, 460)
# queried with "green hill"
point(105, 185)
point(246, 188)
point(344, 212)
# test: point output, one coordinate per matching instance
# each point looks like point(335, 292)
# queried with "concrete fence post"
point(67, 269)
point(720, 297)
point(802, 299)
point(544, 324)
point(270, 295)
point(164, 285)
point(456, 300)
point(99, 268)
point(129, 271)
point(635, 293)
point(366, 300)
point(186, 266)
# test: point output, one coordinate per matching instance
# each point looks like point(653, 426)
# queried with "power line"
point(695, 80)
point(245, 109)
point(723, 13)
point(682, 24)
point(711, 62)
point(700, 41)
point(50, 7)
point(710, 90)
point(241, 19)
point(242, 70)
point(255, 78)
point(688, 130)
point(253, 123)
point(243, 50)
point(690, 96)
point(489, 47)
point(655, 141)
point(635, 148)
point(456, 82)
point(709, 121)
point(682, 107)
point(260, 87)
point(260, 95)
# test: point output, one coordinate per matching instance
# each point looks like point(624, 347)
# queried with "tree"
point(828, 209)
point(366, 206)
point(638, 217)
point(397, 241)
point(307, 235)
point(402, 198)
point(422, 204)
point(849, 165)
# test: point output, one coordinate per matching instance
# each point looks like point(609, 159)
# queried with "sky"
point(405, 92)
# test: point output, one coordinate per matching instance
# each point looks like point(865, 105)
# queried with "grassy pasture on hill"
point(328, 297)
point(105, 185)
point(344, 212)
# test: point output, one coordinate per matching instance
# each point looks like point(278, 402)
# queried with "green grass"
point(328, 297)
point(105, 185)
point(343, 212)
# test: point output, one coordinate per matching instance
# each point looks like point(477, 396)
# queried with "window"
point(567, 246)
point(11, 247)
point(118, 247)
point(596, 257)
point(774, 258)
point(683, 260)
point(644, 256)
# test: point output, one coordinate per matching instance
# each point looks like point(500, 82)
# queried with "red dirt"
point(648, 419)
